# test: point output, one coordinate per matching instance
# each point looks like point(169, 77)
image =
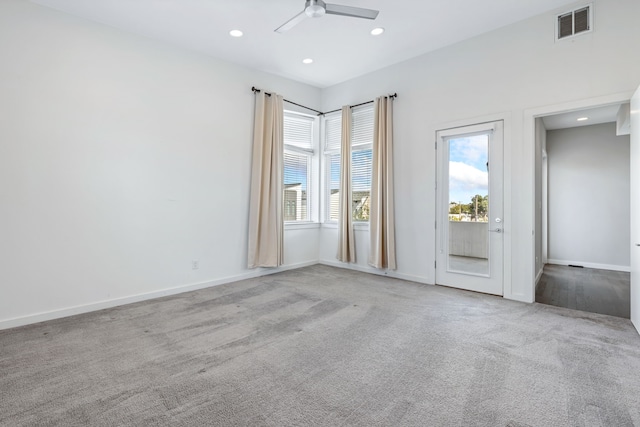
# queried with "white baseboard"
point(71, 311)
point(624, 268)
point(371, 270)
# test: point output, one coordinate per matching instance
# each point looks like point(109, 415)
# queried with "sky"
point(468, 174)
point(296, 170)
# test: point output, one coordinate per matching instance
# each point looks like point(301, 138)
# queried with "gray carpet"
point(326, 347)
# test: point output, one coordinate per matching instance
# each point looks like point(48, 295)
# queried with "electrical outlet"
point(195, 264)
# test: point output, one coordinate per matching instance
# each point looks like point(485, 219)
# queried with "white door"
point(470, 222)
point(635, 209)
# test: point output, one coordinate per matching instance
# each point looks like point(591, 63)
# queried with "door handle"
point(497, 230)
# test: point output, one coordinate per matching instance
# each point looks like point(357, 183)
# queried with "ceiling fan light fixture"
point(314, 11)
point(377, 31)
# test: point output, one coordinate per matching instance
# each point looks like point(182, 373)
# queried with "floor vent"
point(574, 22)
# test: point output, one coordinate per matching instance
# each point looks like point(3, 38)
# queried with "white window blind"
point(332, 132)
point(361, 157)
point(298, 153)
point(361, 161)
point(362, 126)
point(298, 131)
point(333, 185)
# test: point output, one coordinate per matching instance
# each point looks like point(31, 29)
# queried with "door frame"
point(506, 119)
point(530, 116)
point(634, 140)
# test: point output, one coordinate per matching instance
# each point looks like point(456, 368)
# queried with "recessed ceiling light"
point(307, 61)
point(235, 33)
point(377, 31)
point(582, 119)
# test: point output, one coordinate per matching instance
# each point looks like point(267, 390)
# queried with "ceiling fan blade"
point(291, 23)
point(354, 12)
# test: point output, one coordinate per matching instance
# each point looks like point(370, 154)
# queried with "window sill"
point(357, 225)
point(300, 225)
point(360, 225)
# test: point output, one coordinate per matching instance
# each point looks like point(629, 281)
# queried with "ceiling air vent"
point(575, 22)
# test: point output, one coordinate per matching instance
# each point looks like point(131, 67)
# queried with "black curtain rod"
point(255, 90)
point(395, 95)
point(290, 102)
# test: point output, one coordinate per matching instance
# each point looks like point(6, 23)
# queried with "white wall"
point(499, 74)
point(589, 211)
point(121, 160)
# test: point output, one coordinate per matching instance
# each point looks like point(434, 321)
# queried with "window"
point(298, 155)
point(361, 160)
point(332, 132)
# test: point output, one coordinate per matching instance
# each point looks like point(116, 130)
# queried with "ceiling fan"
point(317, 8)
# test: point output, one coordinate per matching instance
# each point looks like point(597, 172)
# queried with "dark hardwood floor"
point(586, 289)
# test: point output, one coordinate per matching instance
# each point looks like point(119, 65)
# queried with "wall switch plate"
point(195, 264)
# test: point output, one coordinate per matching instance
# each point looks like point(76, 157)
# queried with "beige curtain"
point(382, 248)
point(266, 223)
point(346, 239)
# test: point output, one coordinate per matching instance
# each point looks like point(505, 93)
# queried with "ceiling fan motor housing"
point(315, 8)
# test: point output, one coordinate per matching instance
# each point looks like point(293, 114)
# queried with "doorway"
point(469, 201)
point(582, 210)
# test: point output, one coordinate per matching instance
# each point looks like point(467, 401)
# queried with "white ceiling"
point(596, 116)
point(342, 47)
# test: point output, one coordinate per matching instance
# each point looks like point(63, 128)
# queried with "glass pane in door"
point(468, 246)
